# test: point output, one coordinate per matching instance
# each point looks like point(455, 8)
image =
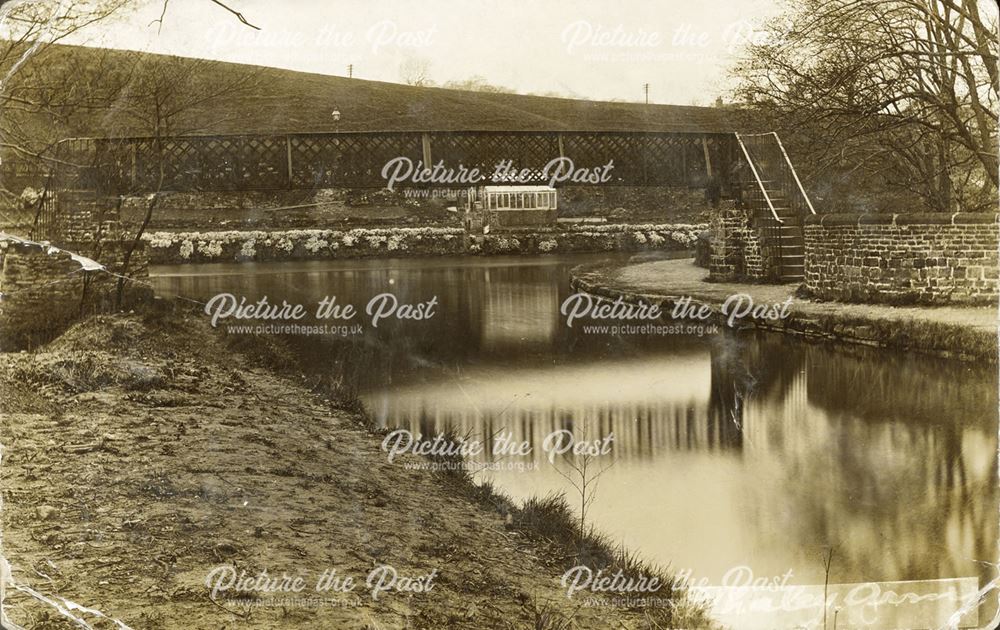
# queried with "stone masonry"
point(905, 258)
point(42, 291)
point(737, 247)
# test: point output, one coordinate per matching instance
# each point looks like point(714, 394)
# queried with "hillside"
point(285, 101)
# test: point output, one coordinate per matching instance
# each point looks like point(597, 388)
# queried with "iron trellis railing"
point(772, 162)
point(761, 187)
point(46, 221)
point(355, 159)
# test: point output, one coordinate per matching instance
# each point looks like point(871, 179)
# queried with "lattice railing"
point(65, 164)
point(348, 160)
point(642, 159)
point(356, 159)
point(529, 152)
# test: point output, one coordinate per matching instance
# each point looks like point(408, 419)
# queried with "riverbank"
point(959, 332)
point(145, 451)
point(169, 248)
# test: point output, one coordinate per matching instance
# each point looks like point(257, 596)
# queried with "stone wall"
point(43, 290)
point(737, 250)
point(902, 258)
point(519, 218)
point(80, 220)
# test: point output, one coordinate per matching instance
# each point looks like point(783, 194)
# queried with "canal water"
point(729, 449)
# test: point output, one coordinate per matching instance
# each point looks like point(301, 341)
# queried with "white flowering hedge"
point(591, 238)
point(658, 234)
point(301, 244)
point(175, 247)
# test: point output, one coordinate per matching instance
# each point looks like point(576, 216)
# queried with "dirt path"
point(140, 455)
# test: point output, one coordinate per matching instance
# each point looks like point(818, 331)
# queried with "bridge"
point(132, 165)
point(751, 167)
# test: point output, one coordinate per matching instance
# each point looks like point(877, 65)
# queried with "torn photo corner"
point(498, 315)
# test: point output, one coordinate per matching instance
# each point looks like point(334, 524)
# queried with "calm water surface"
point(729, 449)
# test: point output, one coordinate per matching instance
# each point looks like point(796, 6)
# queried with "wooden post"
point(685, 176)
point(562, 147)
point(288, 161)
point(135, 164)
point(425, 143)
point(708, 159)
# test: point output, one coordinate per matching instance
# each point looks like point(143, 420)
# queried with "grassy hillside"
point(286, 101)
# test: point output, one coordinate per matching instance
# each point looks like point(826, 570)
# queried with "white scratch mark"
point(6, 570)
point(972, 603)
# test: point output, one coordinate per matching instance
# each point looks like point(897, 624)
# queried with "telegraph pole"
point(350, 71)
point(645, 86)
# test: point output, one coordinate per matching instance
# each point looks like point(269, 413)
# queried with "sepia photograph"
point(551, 315)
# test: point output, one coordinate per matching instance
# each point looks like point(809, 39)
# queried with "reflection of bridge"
point(640, 430)
point(650, 404)
point(689, 399)
point(832, 446)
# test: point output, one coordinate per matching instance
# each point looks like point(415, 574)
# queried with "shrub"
point(249, 249)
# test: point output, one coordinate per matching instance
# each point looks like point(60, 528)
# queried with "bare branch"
point(239, 16)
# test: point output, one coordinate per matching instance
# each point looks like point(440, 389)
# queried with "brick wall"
point(905, 258)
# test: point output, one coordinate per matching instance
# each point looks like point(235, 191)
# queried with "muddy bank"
point(965, 333)
point(144, 452)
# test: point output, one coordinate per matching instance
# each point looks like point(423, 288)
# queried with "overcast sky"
point(598, 49)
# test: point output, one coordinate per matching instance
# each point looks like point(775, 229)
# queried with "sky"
point(596, 49)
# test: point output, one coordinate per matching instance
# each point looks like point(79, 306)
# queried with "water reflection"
point(750, 450)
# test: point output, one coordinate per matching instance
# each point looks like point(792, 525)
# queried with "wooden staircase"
point(779, 205)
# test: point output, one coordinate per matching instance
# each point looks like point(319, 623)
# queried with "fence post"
point(562, 147)
point(288, 161)
point(645, 145)
point(425, 144)
point(685, 176)
point(708, 158)
point(135, 166)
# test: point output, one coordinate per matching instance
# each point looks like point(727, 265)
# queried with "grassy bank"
point(143, 451)
point(965, 333)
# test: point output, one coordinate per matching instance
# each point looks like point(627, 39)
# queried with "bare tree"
point(48, 94)
point(416, 71)
point(827, 566)
point(584, 472)
point(478, 84)
point(899, 93)
point(35, 106)
point(162, 97)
